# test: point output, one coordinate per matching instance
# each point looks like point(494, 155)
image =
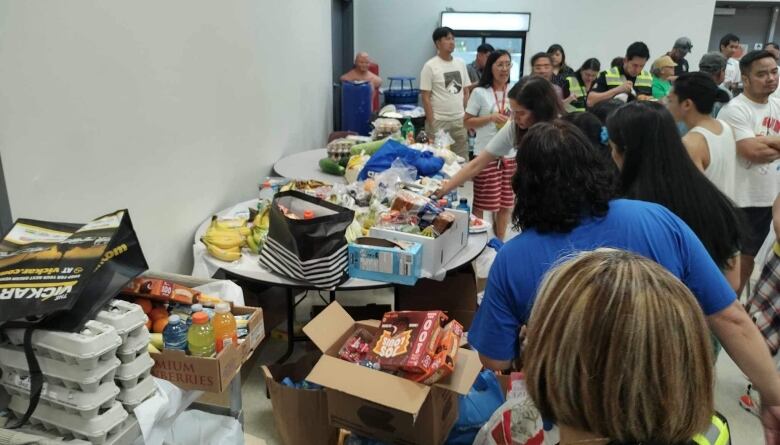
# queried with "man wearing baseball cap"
point(714, 64)
point(681, 48)
point(662, 71)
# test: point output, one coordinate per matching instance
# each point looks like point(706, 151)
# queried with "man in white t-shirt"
point(729, 46)
point(755, 117)
point(443, 83)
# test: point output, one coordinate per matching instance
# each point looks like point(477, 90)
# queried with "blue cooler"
point(356, 107)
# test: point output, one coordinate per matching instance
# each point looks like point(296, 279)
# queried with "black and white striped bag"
point(309, 250)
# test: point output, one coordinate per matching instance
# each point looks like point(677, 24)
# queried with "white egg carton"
point(96, 342)
point(130, 374)
point(132, 397)
point(127, 434)
point(55, 372)
point(70, 400)
point(96, 429)
point(134, 346)
point(125, 317)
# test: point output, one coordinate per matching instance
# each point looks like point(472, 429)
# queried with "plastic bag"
point(516, 421)
point(485, 260)
point(443, 140)
point(387, 183)
point(425, 163)
point(475, 408)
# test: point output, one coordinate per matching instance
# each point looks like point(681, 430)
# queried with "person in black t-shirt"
point(682, 47)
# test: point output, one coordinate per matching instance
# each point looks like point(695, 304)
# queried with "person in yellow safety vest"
point(628, 82)
point(579, 83)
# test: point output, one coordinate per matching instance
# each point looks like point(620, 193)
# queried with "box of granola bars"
point(369, 368)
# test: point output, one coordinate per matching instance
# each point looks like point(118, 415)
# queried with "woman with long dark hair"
point(578, 84)
point(655, 166)
point(560, 70)
point(487, 112)
point(531, 100)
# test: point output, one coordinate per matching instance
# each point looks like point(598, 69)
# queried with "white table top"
point(248, 266)
point(305, 165)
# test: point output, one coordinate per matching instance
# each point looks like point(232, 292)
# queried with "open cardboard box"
point(377, 404)
point(436, 252)
point(211, 374)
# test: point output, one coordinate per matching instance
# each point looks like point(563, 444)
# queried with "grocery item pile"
point(415, 345)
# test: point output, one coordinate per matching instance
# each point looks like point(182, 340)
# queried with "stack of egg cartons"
point(133, 376)
point(79, 396)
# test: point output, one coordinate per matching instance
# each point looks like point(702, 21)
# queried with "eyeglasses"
point(504, 65)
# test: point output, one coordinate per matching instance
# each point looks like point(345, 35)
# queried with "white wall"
point(397, 34)
point(171, 109)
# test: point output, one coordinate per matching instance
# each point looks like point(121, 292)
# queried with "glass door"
point(466, 48)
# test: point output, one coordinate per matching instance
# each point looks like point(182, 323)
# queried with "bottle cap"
point(266, 183)
point(442, 202)
point(199, 318)
point(221, 308)
point(308, 214)
point(174, 319)
point(197, 307)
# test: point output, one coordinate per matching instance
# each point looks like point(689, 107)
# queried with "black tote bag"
point(310, 250)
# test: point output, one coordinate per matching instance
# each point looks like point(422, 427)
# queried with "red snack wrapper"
point(408, 340)
point(160, 290)
point(357, 348)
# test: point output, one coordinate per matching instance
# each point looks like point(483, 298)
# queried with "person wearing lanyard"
point(531, 100)
point(487, 112)
point(579, 83)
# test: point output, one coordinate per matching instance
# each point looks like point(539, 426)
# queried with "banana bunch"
point(224, 238)
point(256, 237)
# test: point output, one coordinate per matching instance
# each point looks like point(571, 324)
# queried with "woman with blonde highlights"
point(618, 352)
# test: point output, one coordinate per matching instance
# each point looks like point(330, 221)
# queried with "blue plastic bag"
point(424, 161)
point(475, 408)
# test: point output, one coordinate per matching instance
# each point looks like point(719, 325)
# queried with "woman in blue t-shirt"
point(618, 354)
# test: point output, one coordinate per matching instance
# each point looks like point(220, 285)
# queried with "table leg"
point(332, 296)
point(395, 299)
point(290, 326)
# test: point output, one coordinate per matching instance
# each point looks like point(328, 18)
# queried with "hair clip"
point(604, 136)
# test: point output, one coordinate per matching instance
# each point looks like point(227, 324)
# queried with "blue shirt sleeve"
point(700, 273)
point(494, 331)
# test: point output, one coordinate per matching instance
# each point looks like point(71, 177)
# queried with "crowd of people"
point(665, 179)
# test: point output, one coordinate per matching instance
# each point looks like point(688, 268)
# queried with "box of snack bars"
point(388, 406)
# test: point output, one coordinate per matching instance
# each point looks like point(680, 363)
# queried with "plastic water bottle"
point(197, 307)
point(266, 190)
point(175, 334)
point(464, 205)
point(224, 325)
point(200, 338)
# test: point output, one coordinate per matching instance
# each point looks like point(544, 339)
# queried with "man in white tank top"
point(710, 142)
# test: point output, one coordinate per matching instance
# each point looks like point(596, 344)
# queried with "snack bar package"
point(160, 290)
point(357, 349)
point(444, 358)
point(408, 340)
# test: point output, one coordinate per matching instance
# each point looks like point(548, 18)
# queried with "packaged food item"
point(444, 359)
point(160, 290)
point(357, 348)
point(408, 340)
point(442, 222)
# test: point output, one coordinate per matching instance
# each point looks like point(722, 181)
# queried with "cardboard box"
point(383, 260)
point(212, 374)
point(436, 252)
point(456, 296)
point(377, 404)
point(300, 415)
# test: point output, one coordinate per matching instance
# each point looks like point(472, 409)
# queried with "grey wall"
point(750, 23)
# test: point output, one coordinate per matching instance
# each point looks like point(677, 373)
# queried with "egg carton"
point(128, 375)
point(72, 401)
point(59, 373)
point(132, 397)
point(96, 342)
point(134, 346)
point(126, 318)
point(127, 434)
point(96, 429)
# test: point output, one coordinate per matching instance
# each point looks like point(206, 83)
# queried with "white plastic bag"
point(484, 261)
point(204, 428)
